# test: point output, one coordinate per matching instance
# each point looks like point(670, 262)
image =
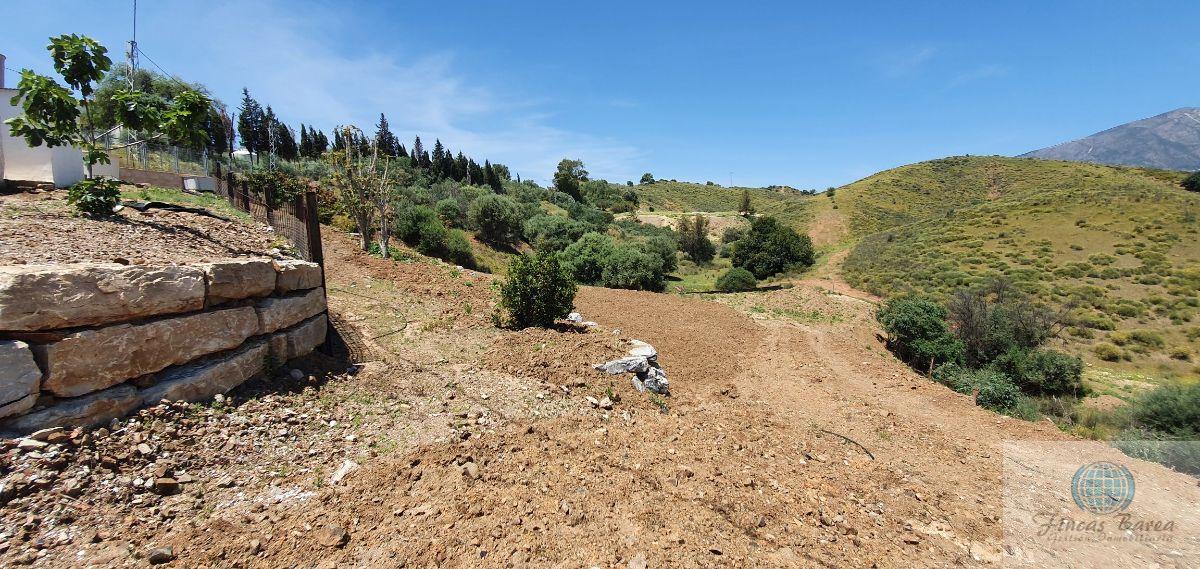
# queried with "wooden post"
point(312, 226)
point(269, 198)
point(246, 197)
point(229, 187)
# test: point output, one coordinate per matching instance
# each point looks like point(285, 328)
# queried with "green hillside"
point(664, 197)
point(925, 190)
point(1120, 243)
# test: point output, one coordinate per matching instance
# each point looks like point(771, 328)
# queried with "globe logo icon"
point(1102, 488)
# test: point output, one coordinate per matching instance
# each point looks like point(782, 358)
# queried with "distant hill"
point(1170, 141)
point(1120, 244)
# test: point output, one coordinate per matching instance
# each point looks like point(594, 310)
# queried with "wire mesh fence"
point(293, 219)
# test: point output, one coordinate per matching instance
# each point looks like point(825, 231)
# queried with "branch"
point(849, 440)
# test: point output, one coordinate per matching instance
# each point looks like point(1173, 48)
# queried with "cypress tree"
point(320, 143)
point(492, 179)
point(305, 143)
point(250, 118)
point(417, 153)
point(438, 158)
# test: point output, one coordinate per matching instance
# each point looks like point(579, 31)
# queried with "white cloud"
point(292, 65)
point(903, 62)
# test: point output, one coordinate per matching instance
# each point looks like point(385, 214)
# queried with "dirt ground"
point(791, 439)
point(42, 229)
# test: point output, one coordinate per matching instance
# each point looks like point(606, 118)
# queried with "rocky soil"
point(791, 438)
point(42, 229)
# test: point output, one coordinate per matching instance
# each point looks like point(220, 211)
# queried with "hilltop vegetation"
point(668, 197)
point(1117, 245)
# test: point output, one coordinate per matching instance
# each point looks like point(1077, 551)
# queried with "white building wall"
point(62, 165)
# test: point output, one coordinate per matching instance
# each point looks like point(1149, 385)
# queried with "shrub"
point(1147, 338)
point(918, 332)
point(996, 319)
point(95, 197)
point(1042, 372)
point(496, 218)
point(1192, 182)
point(284, 187)
point(1173, 409)
point(538, 291)
point(770, 248)
point(693, 239)
point(996, 391)
point(630, 267)
point(1107, 352)
point(666, 249)
point(1181, 353)
point(449, 212)
point(585, 258)
point(412, 221)
point(736, 279)
point(552, 232)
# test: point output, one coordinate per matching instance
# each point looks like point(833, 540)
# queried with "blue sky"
point(803, 94)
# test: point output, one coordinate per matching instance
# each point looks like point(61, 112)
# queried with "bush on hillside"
point(449, 212)
point(770, 248)
point(736, 279)
point(693, 239)
point(95, 197)
point(630, 267)
point(996, 390)
point(538, 290)
point(917, 331)
point(586, 257)
point(666, 249)
point(412, 221)
point(1192, 182)
point(552, 232)
point(996, 319)
point(1042, 372)
point(1107, 352)
point(1172, 409)
point(497, 219)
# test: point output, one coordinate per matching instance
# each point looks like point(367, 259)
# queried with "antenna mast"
point(132, 52)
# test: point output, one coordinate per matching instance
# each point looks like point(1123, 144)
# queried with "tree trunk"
point(364, 230)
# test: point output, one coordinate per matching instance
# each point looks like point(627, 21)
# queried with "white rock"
point(575, 317)
point(630, 364)
point(343, 471)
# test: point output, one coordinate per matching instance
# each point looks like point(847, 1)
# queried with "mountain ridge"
point(1170, 141)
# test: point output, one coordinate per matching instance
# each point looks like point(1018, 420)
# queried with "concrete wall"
point(82, 344)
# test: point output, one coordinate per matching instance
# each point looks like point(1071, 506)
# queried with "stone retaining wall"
point(82, 344)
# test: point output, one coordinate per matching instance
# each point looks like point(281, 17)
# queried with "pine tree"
point(401, 151)
point(461, 170)
point(438, 157)
point(477, 175)
point(417, 153)
point(250, 118)
point(384, 139)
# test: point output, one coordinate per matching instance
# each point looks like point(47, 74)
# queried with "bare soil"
point(43, 229)
point(791, 438)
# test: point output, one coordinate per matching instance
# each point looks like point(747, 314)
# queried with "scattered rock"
point(331, 536)
point(347, 467)
point(160, 555)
